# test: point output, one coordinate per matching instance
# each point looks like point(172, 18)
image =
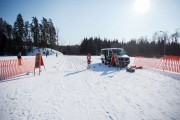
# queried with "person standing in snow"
point(109, 59)
point(19, 58)
point(47, 53)
point(88, 60)
point(56, 54)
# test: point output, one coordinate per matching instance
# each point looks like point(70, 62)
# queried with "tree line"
point(159, 45)
point(24, 35)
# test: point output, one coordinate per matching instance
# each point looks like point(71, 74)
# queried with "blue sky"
point(112, 19)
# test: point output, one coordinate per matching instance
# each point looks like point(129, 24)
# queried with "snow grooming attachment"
point(131, 70)
point(136, 67)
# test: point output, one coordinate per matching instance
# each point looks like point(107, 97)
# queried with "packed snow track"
point(67, 90)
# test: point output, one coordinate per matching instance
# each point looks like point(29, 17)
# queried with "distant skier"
point(47, 52)
point(88, 60)
point(19, 58)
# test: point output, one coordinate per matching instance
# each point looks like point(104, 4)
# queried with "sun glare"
point(141, 6)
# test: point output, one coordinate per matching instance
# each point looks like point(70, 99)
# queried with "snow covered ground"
point(66, 90)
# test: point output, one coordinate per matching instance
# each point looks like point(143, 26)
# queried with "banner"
point(38, 62)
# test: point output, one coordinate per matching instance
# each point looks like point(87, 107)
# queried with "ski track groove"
point(75, 63)
point(40, 106)
point(72, 63)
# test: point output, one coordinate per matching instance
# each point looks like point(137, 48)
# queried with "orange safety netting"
point(10, 68)
point(169, 63)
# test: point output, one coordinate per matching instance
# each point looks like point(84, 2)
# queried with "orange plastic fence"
point(10, 68)
point(169, 63)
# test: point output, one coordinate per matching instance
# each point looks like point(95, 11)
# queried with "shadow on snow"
point(105, 69)
point(18, 77)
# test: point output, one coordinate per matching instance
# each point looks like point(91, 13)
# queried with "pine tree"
point(44, 32)
point(18, 33)
point(52, 34)
point(35, 31)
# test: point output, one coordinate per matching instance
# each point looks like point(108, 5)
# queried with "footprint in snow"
point(109, 116)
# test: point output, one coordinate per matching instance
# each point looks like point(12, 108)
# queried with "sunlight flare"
point(141, 6)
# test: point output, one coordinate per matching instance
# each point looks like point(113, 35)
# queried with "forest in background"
point(159, 45)
point(24, 35)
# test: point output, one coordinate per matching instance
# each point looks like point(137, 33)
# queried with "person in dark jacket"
point(56, 54)
point(19, 58)
point(109, 59)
